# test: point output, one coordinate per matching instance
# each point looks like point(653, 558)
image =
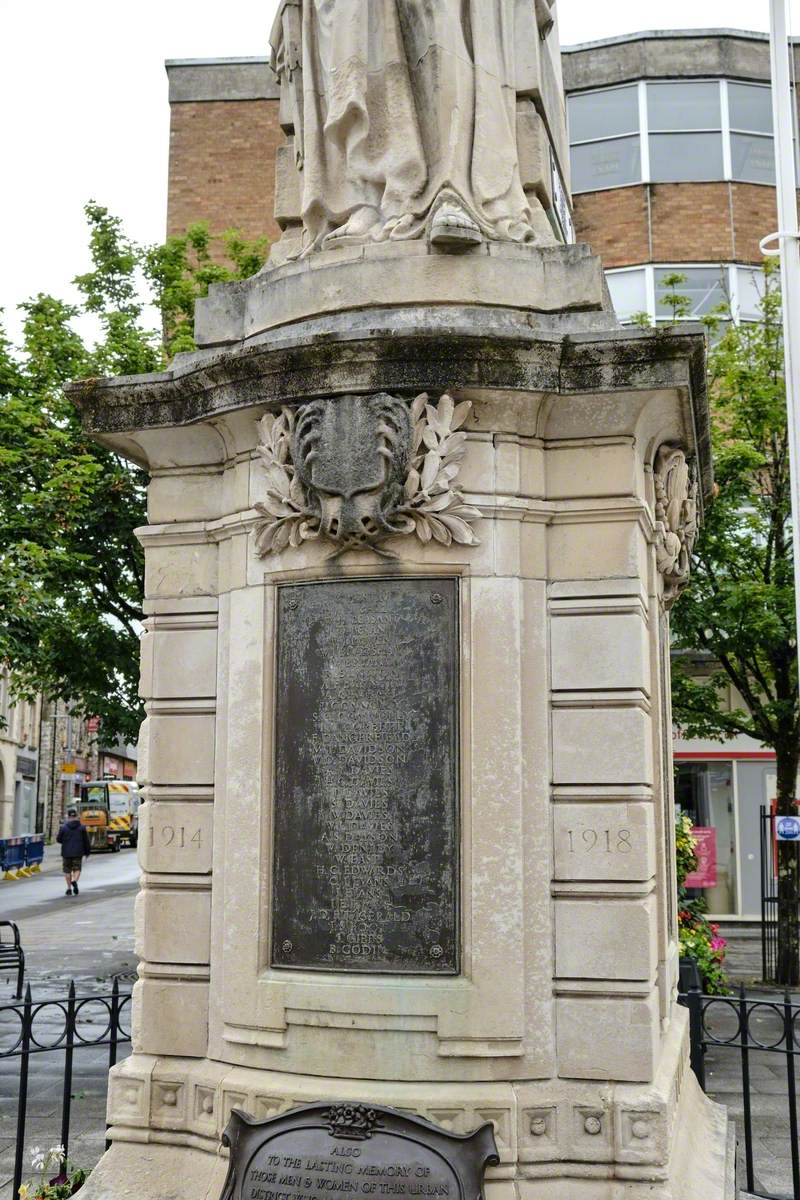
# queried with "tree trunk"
point(788, 964)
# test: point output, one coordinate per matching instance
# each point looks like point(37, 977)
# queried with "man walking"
point(75, 846)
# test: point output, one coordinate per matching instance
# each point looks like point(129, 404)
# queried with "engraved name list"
point(365, 847)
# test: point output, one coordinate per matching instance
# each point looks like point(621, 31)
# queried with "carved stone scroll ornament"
point(357, 470)
point(676, 519)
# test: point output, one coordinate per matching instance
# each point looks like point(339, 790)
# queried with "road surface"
point(104, 876)
point(88, 938)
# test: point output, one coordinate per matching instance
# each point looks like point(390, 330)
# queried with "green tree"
point(183, 268)
point(71, 568)
point(739, 607)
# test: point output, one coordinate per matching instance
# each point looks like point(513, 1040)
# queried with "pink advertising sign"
point(705, 847)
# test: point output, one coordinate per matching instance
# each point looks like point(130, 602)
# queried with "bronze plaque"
point(365, 847)
point(328, 1152)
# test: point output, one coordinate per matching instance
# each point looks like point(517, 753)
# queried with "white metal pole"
point(789, 249)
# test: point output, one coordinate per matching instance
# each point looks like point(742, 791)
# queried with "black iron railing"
point(75, 1023)
point(731, 1023)
point(780, 906)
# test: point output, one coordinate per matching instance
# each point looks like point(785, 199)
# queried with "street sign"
point(787, 829)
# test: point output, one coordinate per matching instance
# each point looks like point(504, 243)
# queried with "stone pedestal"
point(560, 1023)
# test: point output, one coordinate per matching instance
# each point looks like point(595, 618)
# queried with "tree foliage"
point(182, 270)
point(71, 568)
point(739, 607)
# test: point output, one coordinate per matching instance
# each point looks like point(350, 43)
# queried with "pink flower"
point(718, 943)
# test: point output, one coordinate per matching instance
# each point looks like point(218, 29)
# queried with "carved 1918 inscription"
point(365, 857)
point(330, 1152)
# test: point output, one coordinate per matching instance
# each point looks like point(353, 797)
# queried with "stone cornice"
point(404, 353)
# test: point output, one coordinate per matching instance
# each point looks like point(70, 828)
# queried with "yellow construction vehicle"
point(120, 797)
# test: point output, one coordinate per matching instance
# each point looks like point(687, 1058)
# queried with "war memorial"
point(418, 510)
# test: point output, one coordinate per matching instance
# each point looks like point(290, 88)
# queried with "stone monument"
point(418, 509)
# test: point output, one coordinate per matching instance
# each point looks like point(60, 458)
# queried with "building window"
point(606, 148)
point(752, 154)
point(642, 290)
point(628, 292)
point(749, 286)
point(671, 131)
point(704, 790)
point(705, 288)
point(684, 121)
point(727, 797)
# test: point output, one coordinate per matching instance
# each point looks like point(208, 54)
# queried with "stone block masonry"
point(558, 1023)
point(514, 960)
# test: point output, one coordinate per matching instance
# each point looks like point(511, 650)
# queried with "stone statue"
point(404, 114)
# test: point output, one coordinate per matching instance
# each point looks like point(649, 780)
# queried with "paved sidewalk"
point(88, 938)
point(743, 953)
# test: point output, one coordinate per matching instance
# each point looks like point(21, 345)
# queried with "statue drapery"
point(405, 116)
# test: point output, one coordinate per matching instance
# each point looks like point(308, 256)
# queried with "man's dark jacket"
point(74, 839)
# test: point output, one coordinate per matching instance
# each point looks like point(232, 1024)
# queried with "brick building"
point(672, 169)
point(70, 753)
point(20, 734)
point(671, 156)
point(672, 162)
point(224, 132)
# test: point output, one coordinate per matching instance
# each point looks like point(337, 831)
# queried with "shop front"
point(722, 787)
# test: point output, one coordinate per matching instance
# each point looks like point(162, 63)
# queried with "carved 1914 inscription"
point(365, 857)
point(328, 1152)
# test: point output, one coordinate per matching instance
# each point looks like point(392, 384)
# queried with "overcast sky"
point(84, 114)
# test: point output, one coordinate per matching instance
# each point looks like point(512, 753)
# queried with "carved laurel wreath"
point(432, 507)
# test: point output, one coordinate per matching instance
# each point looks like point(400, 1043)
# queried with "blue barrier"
point(34, 851)
point(14, 857)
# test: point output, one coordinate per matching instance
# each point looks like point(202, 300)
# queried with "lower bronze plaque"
point(365, 848)
point(324, 1152)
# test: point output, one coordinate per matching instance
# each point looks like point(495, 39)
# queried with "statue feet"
point(358, 228)
point(453, 228)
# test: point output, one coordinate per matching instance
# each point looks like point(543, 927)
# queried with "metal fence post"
point(113, 1034)
point(788, 1027)
point(114, 1030)
point(22, 1102)
point(66, 1104)
point(694, 998)
point(765, 849)
point(748, 1126)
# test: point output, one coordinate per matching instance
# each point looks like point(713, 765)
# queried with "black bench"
point(11, 953)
